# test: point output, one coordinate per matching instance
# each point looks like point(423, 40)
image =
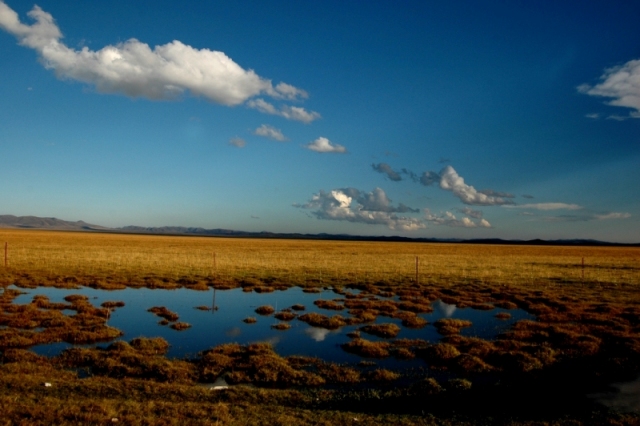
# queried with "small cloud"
point(237, 142)
point(29, 89)
point(587, 217)
point(255, 217)
point(612, 215)
point(286, 111)
point(546, 206)
point(593, 116)
point(616, 117)
point(476, 214)
point(289, 92)
point(323, 145)
point(527, 196)
point(429, 178)
point(386, 169)
point(414, 177)
point(270, 132)
point(493, 193)
point(449, 219)
point(444, 160)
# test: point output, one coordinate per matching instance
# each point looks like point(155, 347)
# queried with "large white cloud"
point(621, 83)
point(352, 205)
point(134, 69)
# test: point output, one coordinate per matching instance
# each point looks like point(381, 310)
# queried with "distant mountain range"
point(52, 223)
point(34, 222)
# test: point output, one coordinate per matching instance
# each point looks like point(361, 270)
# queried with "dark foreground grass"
point(24, 399)
point(538, 372)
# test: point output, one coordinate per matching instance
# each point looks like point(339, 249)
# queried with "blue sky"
point(471, 119)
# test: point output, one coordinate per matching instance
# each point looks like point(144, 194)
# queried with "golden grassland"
point(586, 333)
point(104, 260)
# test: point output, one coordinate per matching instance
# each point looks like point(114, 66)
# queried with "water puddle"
point(223, 321)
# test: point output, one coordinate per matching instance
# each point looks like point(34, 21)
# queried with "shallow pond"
point(224, 324)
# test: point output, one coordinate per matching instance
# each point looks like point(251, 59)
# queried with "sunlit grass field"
point(58, 258)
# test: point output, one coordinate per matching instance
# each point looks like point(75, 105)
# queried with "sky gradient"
point(492, 119)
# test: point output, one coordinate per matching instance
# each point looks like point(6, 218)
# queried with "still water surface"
point(225, 325)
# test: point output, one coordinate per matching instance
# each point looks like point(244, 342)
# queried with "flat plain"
point(586, 335)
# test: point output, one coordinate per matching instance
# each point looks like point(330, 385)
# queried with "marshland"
point(140, 328)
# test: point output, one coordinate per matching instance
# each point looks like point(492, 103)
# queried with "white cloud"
point(323, 145)
point(612, 215)
point(237, 142)
point(617, 117)
point(286, 111)
point(451, 181)
point(270, 132)
point(376, 200)
point(594, 116)
point(352, 205)
point(287, 91)
point(493, 193)
point(134, 69)
point(621, 83)
point(547, 206)
point(449, 219)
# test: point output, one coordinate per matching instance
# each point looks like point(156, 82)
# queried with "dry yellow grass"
point(101, 260)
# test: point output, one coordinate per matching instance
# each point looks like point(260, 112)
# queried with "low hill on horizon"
point(35, 222)
point(52, 223)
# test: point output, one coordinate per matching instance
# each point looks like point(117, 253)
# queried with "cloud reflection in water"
point(444, 309)
point(319, 334)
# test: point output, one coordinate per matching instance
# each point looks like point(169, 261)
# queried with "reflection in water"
point(233, 332)
point(624, 398)
point(227, 325)
point(444, 309)
point(319, 334)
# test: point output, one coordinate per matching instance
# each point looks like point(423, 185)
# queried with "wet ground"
point(223, 321)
